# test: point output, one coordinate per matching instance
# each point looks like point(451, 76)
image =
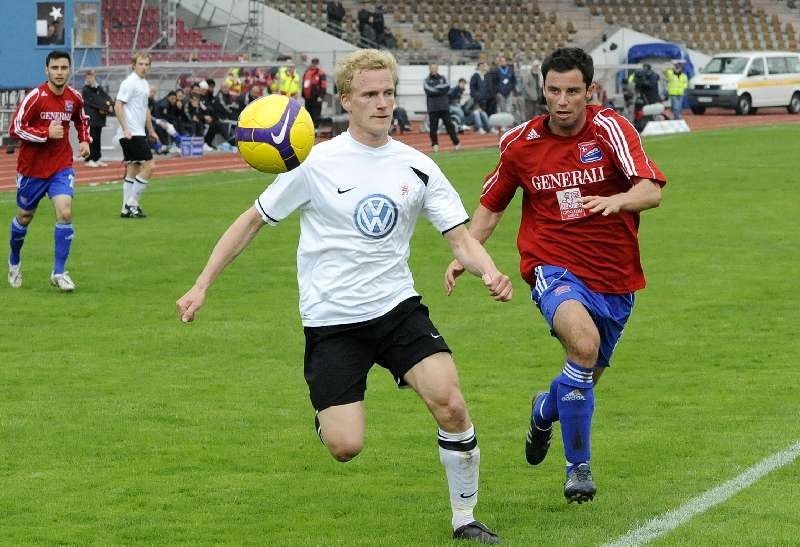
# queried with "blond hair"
point(140, 55)
point(363, 59)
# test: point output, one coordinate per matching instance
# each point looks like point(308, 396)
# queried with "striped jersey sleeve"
point(501, 184)
point(624, 145)
point(20, 127)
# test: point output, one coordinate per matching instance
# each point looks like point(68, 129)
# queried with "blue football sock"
point(547, 412)
point(575, 399)
point(62, 234)
point(18, 232)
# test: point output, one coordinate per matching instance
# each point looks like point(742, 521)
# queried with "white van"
point(747, 80)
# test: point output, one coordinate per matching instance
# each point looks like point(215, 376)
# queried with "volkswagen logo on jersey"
point(589, 152)
point(375, 216)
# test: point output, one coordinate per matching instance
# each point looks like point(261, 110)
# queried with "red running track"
point(222, 161)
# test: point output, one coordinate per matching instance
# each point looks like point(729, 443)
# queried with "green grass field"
point(120, 425)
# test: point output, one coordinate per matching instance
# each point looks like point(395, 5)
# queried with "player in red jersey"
point(584, 177)
point(44, 165)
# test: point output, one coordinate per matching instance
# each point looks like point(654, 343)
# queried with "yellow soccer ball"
point(275, 134)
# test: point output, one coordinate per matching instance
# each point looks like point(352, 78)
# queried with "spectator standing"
point(98, 105)
point(532, 91)
point(336, 13)
point(288, 82)
point(363, 20)
point(379, 25)
point(506, 85)
point(436, 91)
point(315, 87)
point(481, 89)
point(368, 36)
point(677, 82)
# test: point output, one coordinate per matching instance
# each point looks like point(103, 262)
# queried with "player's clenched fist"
point(189, 303)
point(56, 130)
point(499, 286)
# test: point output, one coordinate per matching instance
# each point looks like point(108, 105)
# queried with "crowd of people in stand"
point(198, 107)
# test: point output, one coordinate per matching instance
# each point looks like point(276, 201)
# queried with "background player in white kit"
point(135, 125)
point(359, 197)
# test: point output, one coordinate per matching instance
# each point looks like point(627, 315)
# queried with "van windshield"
point(726, 65)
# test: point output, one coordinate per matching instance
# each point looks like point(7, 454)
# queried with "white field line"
point(675, 518)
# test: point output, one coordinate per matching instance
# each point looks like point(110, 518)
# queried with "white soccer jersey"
point(133, 91)
point(358, 208)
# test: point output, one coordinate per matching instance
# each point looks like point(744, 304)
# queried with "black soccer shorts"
point(136, 149)
point(338, 357)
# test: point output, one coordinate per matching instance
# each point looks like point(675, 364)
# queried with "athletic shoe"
point(137, 212)
point(63, 281)
point(477, 531)
point(101, 163)
point(537, 441)
point(126, 212)
point(580, 486)
point(435, 147)
point(15, 275)
point(481, 132)
point(91, 163)
point(457, 147)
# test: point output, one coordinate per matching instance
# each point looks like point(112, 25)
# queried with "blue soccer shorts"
point(609, 312)
point(31, 190)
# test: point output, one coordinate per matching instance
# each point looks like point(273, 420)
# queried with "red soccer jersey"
point(40, 156)
point(554, 172)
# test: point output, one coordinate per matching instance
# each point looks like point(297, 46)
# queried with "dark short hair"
point(210, 81)
point(462, 80)
point(172, 94)
point(569, 58)
point(57, 54)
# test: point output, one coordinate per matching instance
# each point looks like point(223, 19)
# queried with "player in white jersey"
point(359, 196)
point(135, 125)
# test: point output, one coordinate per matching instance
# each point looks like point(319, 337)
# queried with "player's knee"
point(64, 216)
point(344, 450)
point(24, 217)
point(450, 410)
point(585, 350)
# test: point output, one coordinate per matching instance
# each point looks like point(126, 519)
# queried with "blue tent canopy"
point(665, 50)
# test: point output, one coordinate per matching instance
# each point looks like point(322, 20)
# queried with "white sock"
point(461, 458)
point(139, 186)
point(127, 191)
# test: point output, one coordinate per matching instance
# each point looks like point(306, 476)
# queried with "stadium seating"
point(120, 18)
point(705, 25)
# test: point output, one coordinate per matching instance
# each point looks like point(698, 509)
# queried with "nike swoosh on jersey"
point(340, 191)
point(277, 139)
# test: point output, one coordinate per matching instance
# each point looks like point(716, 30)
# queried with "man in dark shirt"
point(97, 105)
point(436, 91)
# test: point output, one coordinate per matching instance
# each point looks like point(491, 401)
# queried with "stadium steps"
point(783, 11)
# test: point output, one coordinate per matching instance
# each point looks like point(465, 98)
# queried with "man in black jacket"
point(97, 105)
point(436, 90)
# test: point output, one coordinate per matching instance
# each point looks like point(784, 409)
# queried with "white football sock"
point(461, 457)
point(127, 191)
point(139, 186)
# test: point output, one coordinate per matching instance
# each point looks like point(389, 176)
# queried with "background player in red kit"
point(584, 177)
point(44, 165)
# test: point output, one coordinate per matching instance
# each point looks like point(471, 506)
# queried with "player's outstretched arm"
point(473, 257)
point(644, 194)
point(233, 241)
point(481, 227)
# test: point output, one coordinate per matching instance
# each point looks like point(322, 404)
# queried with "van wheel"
point(794, 104)
point(698, 110)
point(744, 104)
